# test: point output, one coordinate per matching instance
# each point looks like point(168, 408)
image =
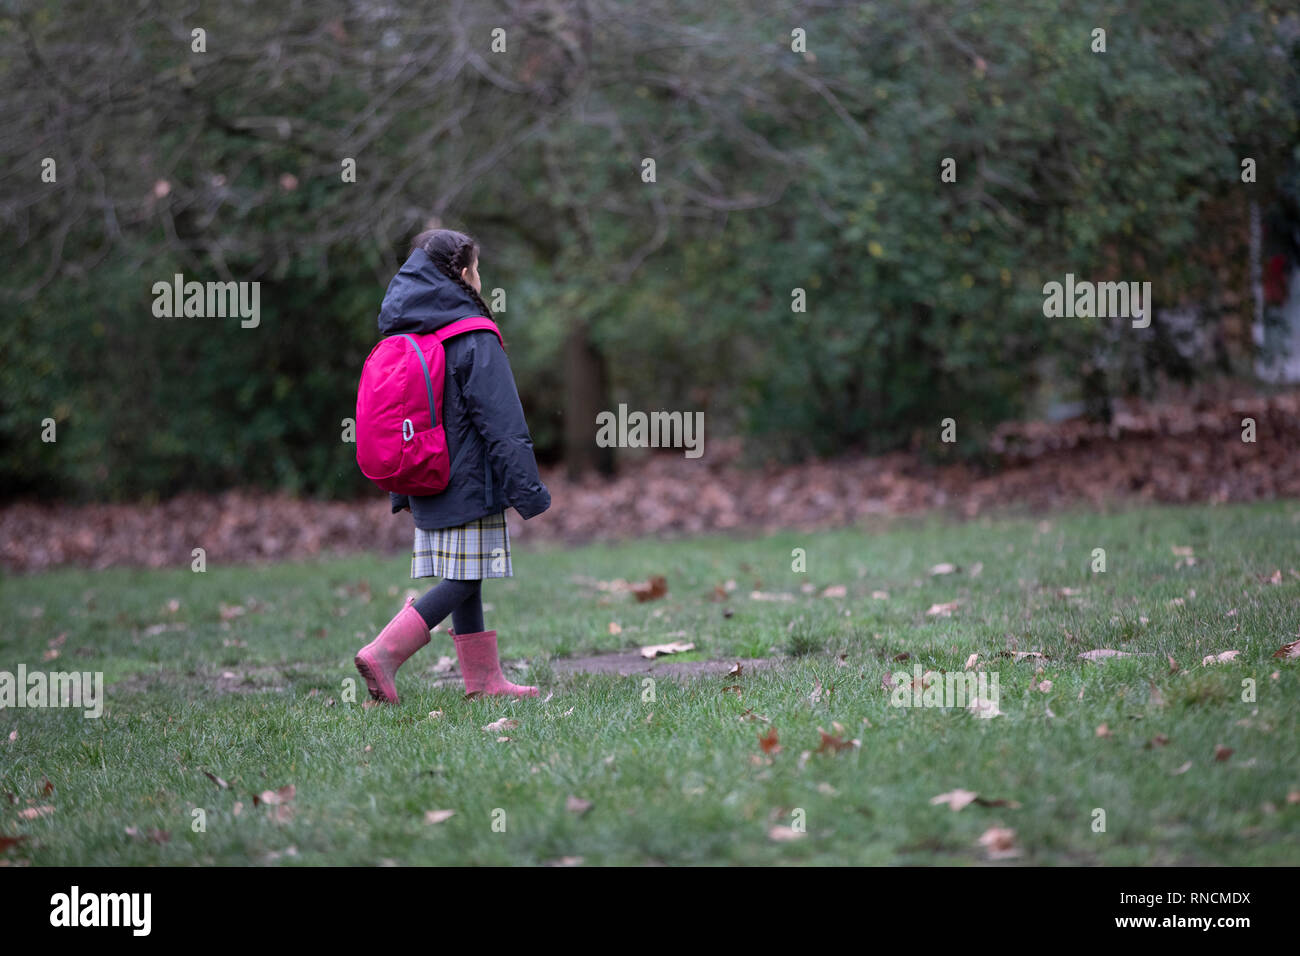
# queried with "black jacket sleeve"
point(492, 402)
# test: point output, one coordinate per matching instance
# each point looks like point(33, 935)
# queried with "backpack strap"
point(474, 323)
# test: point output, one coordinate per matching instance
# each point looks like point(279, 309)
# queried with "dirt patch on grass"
point(227, 680)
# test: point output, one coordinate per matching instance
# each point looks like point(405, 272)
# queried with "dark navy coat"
point(480, 407)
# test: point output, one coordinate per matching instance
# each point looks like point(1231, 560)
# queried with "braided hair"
point(452, 251)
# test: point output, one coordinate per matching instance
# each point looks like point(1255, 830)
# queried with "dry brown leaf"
point(956, 799)
point(217, 780)
point(942, 610)
point(816, 694)
point(505, 723)
point(784, 834)
point(32, 813)
point(276, 797)
point(1182, 770)
point(1104, 731)
point(675, 647)
point(615, 627)
point(652, 589)
point(1288, 650)
point(737, 670)
point(769, 742)
point(944, 568)
point(577, 805)
point(970, 661)
point(835, 591)
point(1102, 653)
point(438, 816)
point(834, 742)
point(1222, 753)
point(999, 843)
point(152, 836)
point(1221, 658)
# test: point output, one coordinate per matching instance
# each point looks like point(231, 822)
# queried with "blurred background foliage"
point(775, 170)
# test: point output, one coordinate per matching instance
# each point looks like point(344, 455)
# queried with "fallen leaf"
point(1159, 740)
point(1222, 753)
point(984, 708)
point(8, 842)
point(816, 694)
point(764, 596)
point(835, 591)
point(1104, 731)
point(652, 589)
point(784, 834)
point(505, 723)
point(217, 780)
point(1157, 698)
point(1288, 650)
point(880, 595)
point(153, 836)
point(835, 743)
point(736, 671)
point(769, 743)
point(999, 843)
point(1173, 664)
point(615, 627)
point(275, 798)
point(1102, 653)
point(1220, 658)
point(942, 610)
point(577, 805)
point(956, 799)
point(438, 816)
point(1182, 770)
point(32, 813)
point(675, 647)
point(970, 661)
point(944, 568)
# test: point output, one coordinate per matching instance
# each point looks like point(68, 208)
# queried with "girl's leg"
point(444, 598)
point(468, 616)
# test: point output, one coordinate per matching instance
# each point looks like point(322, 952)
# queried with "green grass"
point(682, 779)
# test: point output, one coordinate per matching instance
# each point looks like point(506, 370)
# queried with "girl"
point(460, 534)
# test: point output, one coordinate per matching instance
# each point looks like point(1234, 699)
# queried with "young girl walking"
point(460, 534)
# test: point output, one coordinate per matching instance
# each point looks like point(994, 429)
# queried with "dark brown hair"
point(452, 251)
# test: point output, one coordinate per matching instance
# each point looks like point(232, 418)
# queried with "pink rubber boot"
point(481, 667)
point(379, 660)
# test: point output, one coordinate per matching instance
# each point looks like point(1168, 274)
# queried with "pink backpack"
point(400, 442)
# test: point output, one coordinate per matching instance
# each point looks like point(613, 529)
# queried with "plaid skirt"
point(479, 549)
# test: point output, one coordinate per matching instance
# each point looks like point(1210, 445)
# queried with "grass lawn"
point(258, 699)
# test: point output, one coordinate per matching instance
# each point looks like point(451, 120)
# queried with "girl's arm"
point(400, 502)
point(493, 405)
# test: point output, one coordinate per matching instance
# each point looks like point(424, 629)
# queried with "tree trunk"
point(585, 395)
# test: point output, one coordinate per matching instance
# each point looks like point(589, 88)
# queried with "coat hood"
point(421, 299)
